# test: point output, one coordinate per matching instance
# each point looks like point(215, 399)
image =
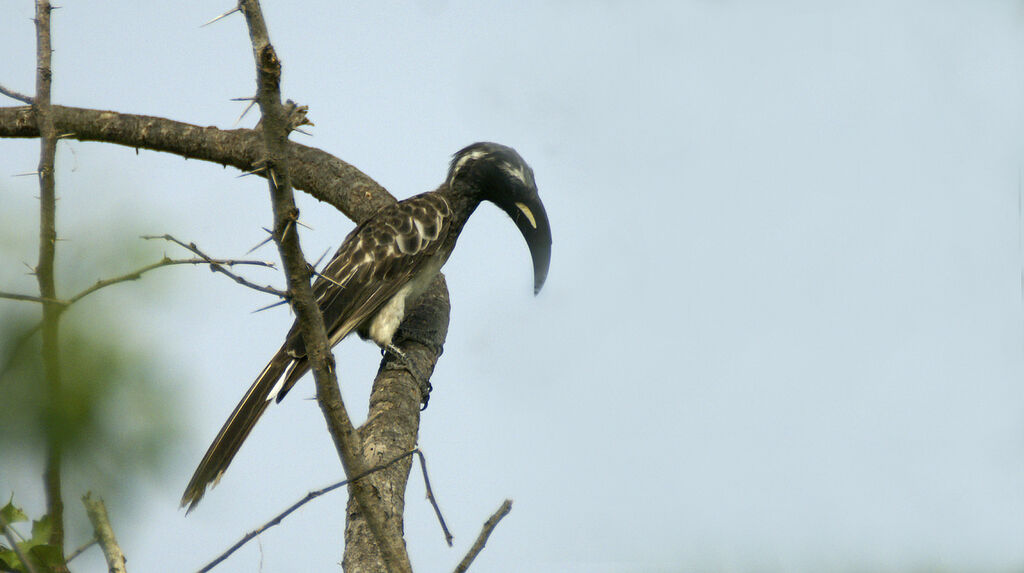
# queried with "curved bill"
point(532, 220)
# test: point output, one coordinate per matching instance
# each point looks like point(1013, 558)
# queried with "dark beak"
point(532, 220)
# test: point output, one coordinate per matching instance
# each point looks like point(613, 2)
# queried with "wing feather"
point(373, 263)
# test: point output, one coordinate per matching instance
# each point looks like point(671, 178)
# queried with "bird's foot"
point(395, 351)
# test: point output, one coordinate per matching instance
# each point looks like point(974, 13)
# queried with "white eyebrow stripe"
point(467, 158)
point(515, 171)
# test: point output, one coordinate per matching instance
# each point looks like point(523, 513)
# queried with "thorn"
point(256, 171)
point(66, 135)
point(301, 224)
point(250, 98)
point(273, 178)
point(328, 279)
point(26, 174)
point(270, 306)
point(302, 132)
point(261, 243)
point(317, 263)
point(252, 102)
point(224, 15)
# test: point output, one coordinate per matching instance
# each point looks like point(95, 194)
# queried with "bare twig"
point(9, 534)
point(430, 496)
point(134, 275)
point(275, 127)
point(308, 498)
point(81, 549)
point(165, 262)
point(218, 266)
point(97, 513)
point(15, 95)
point(485, 533)
point(31, 298)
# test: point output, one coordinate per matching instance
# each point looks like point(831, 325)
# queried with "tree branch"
point(311, 325)
point(218, 267)
point(137, 274)
point(308, 498)
point(45, 269)
point(97, 513)
point(312, 170)
point(15, 95)
point(485, 533)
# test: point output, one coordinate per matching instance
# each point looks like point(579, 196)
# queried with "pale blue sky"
point(782, 329)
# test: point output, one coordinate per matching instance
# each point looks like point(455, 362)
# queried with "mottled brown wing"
point(376, 260)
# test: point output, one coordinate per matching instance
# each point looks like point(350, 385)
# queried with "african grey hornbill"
point(380, 269)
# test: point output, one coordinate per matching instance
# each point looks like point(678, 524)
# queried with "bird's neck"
point(463, 201)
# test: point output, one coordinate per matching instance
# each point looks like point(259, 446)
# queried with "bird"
point(380, 270)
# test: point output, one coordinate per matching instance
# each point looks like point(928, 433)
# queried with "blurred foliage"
point(115, 417)
point(36, 549)
point(112, 419)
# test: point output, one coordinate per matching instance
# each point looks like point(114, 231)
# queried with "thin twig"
point(14, 545)
point(309, 497)
point(81, 549)
point(15, 95)
point(217, 267)
point(31, 298)
point(136, 274)
point(485, 533)
point(430, 496)
point(97, 513)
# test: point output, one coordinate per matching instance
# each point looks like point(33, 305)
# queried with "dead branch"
point(15, 95)
point(81, 549)
point(485, 533)
point(433, 501)
point(216, 266)
point(308, 498)
point(97, 513)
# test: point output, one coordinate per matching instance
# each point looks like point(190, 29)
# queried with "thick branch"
point(312, 170)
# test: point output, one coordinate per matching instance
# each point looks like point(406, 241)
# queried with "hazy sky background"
point(782, 329)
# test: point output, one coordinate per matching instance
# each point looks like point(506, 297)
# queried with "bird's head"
point(498, 174)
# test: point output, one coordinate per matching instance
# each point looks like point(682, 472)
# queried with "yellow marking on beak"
point(529, 214)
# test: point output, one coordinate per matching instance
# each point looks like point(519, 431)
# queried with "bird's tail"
point(235, 430)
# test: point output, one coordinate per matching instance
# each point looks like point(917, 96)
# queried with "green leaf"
point(12, 514)
point(46, 555)
point(9, 560)
point(41, 529)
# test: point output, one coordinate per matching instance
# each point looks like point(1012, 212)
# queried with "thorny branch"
point(45, 268)
point(217, 266)
point(347, 441)
point(308, 498)
point(135, 275)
